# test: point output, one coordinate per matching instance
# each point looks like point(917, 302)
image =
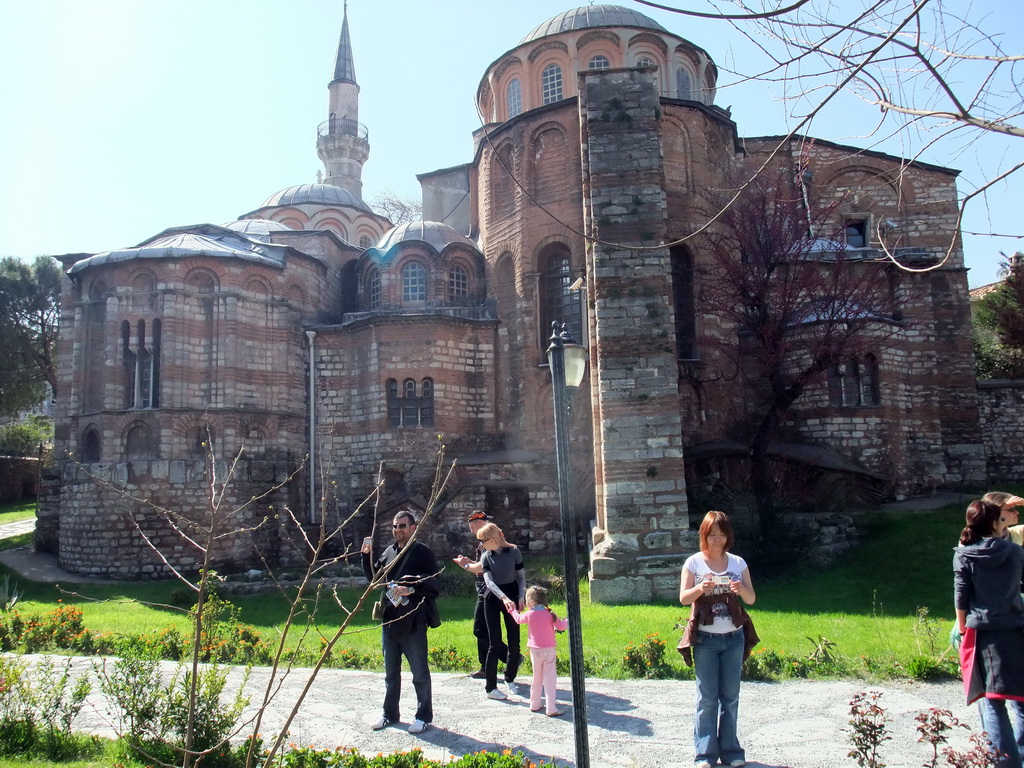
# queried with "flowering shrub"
point(646, 658)
point(448, 660)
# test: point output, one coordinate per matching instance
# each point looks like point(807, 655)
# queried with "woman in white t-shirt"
point(713, 582)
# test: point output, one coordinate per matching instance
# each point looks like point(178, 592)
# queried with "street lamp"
point(568, 362)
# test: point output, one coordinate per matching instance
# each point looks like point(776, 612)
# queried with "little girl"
point(541, 625)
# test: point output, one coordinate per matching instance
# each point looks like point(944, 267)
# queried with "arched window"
point(685, 307)
point(514, 97)
point(414, 282)
point(374, 288)
point(645, 61)
point(427, 403)
point(503, 188)
point(599, 62)
point(551, 84)
point(410, 404)
point(684, 85)
point(854, 383)
point(140, 358)
point(91, 450)
point(365, 241)
point(394, 404)
point(458, 283)
point(558, 303)
point(406, 408)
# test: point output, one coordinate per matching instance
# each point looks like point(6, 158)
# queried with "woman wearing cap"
point(506, 580)
point(990, 616)
point(1009, 515)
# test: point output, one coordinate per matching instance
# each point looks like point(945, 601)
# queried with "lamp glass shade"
point(575, 361)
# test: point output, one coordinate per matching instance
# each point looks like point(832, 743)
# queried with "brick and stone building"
point(601, 134)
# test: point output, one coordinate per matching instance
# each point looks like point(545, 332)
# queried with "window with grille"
point(645, 61)
point(374, 289)
point(458, 283)
point(514, 97)
point(854, 382)
point(140, 358)
point(408, 407)
point(414, 282)
point(684, 85)
point(599, 62)
point(558, 303)
point(551, 84)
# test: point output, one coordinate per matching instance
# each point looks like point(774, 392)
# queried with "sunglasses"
point(400, 526)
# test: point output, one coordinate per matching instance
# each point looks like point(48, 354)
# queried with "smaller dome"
point(435, 234)
point(317, 194)
point(257, 227)
point(591, 16)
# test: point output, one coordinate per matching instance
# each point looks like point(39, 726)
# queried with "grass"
point(16, 511)
point(867, 604)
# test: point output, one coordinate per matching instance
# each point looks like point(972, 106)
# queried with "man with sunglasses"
point(409, 608)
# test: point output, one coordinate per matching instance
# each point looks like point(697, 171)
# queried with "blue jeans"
point(413, 645)
point(995, 721)
point(717, 663)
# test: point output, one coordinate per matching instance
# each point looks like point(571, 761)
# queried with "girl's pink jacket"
point(540, 626)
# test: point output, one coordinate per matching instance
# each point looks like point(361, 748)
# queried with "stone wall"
point(1001, 404)
point(113, 523)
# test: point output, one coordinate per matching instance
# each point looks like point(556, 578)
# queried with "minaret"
point(342, 143)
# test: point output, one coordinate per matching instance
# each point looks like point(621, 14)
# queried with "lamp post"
point(568, 362)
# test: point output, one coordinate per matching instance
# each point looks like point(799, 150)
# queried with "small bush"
point(646, 658)
point(448, 659)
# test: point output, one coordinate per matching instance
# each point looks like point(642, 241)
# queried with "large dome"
point(257, 227)
point(589, 16)
point(435, 234)
point(317, 194)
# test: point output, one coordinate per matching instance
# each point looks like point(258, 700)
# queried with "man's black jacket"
point(416, 568)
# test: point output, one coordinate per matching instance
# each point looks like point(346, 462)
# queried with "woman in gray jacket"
point(504, 579)
point(990, 616)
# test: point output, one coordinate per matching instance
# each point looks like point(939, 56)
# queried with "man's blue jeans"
point(717, 663)
point(414, 647)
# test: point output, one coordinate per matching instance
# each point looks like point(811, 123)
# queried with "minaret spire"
point(342, 143)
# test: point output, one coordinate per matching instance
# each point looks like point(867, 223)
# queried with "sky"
point(125, 117)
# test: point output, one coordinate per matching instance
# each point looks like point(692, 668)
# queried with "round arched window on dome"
point(551, 84)
point(458, 284)
point(365, 241)
point(645, 61)
point(514, 97)
point(599, 62)
point(414, 282)
point(684, 84)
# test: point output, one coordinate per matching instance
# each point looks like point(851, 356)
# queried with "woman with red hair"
point(719, 635)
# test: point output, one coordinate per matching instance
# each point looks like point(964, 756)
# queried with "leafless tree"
point(400, 210)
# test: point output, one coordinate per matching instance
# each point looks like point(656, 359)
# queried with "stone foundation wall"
point(1001, 406)
point(108, 513)
point(18, 477)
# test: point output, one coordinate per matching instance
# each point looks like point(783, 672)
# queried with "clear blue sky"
point(125, 117)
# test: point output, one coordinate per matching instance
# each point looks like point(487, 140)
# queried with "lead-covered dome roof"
point(435, 234)
point(589, 16)
point(317, 194)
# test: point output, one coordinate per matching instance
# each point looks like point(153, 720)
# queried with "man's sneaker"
point(702, 764)
point(381, 724)
point(738, 763)
point(513, 687)
point(497, 695)
point(417, 726)
point(479, 674)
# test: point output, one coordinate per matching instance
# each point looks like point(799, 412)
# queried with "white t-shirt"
point(696, 565)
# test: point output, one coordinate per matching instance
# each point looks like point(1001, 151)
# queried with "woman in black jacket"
point(990, 616)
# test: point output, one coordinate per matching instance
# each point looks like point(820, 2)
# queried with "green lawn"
point(867, 604)
point(16, 511)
